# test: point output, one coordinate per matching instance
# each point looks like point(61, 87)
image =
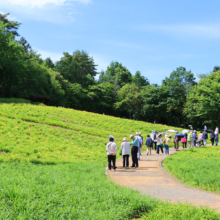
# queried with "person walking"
point(216, 129)
point(125, 148)
point(111, 149)
point(139, 144)
point(153, 137)
point(189, 139)
point(176, 141)
point(155, 140)
point(134, 150)
point(212, 137)
point(111, 136)
point(142, 140)
point(205, 137)
point(184, 141)
point(194, 138)
point(149, 144)
point(166, 144)
point(201, 137)
point(216, 139)
point(159, 144)
point(205, 128)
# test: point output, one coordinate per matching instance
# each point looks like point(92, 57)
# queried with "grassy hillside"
point(53, 167)
point(61, 135)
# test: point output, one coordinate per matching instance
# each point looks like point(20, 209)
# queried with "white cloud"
point(101, 60)
point(45, 54)
point(55, 11)
point(40, 3)
point(185, 30)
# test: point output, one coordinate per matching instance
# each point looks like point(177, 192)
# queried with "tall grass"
point(52, 166)
point(197, 167)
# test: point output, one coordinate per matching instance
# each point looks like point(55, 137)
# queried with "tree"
point(129, 101)
point(10, 60)
point(202, 106)
point(155, 104)
point(139, 80)
point(25, 44)
point(101, 98)
point(11, 26)
point(116, 74)
point(76, 68)
point(216, 68)
point(48, 63)
point(178, 85)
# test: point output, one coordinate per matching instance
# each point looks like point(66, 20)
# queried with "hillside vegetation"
point(61, 135)
point(53, 167)
point(197, 167)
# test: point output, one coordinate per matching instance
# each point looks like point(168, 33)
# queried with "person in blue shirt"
point(139, 144)
point(205, 128)
point(134, 150)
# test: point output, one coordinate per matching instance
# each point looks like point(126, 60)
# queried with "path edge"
point(183, 184)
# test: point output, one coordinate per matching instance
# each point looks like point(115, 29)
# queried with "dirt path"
point(152, 180)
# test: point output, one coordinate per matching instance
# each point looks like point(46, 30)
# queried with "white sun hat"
point(131, 136)
point(124, 139)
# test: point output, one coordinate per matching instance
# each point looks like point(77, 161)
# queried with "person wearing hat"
point(134, 150)
point(139, 144)
point(125, 147)
point(167, 141)
point(111, 149)
point(111, 136)
point(142, 139)
point(176, 141)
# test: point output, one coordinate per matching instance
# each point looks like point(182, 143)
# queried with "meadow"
point(52, 166)
point(198, 167)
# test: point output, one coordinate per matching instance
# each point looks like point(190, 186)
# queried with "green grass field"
point(53, 167)
point(198, 167)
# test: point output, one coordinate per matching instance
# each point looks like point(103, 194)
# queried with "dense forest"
point(70, 82)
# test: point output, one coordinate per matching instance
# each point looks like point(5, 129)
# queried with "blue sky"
point(152, 36)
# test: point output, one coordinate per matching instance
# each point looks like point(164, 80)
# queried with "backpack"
point(183, 140)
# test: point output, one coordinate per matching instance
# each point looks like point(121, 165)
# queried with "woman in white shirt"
point(159, 144)
point(125, 147)
point(111, 149)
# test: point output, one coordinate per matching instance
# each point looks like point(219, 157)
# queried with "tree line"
point(70, 82)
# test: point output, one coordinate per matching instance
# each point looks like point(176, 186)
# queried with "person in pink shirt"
point(200, 135)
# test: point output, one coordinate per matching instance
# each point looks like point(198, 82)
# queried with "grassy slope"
point(198, 167)
point(65, 178)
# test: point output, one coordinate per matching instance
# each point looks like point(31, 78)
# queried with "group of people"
point(194, 140)
point(155, 141)
point(134, 147)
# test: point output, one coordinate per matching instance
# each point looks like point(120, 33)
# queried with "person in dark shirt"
point(205, 137)
point(149, 144)
point(212, 137)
